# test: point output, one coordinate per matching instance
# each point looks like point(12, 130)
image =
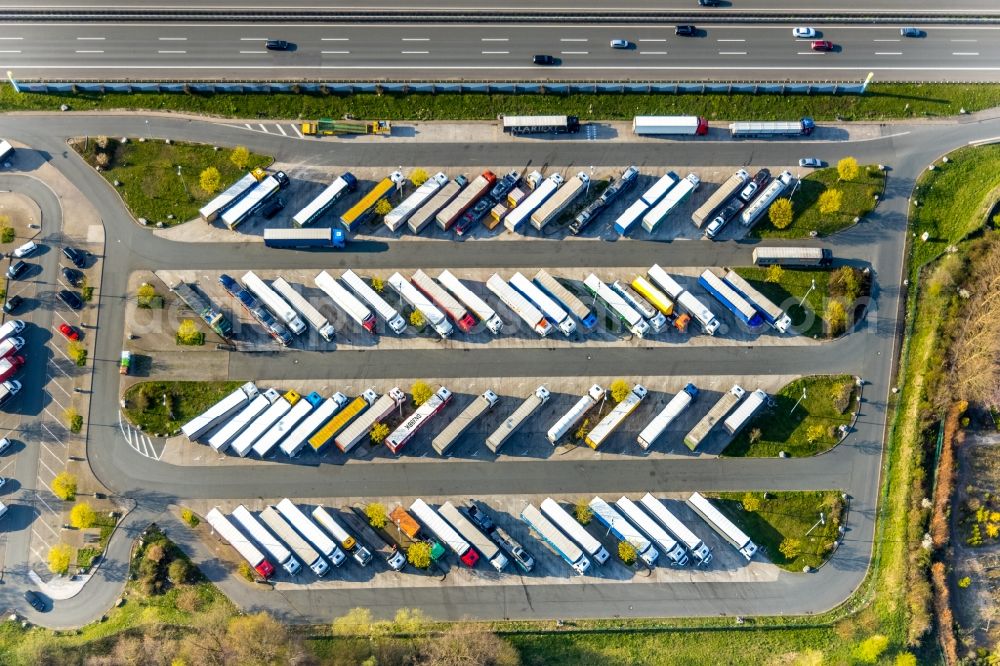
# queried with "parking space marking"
point(296, 128)
point(142, 444)
point(46, 410)
point(59, 386)
point(52, 398)
point(53, 473)
point(282, 130)
point(263, 129)
point(53, 435)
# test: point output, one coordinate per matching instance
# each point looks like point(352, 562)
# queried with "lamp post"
point(808, 292)
point(799, 400)
point(10, 77)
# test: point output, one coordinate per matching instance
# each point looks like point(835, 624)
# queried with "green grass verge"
point(883, 101)
point(151, 186)
point(954, 199)
point(787, 427)
point(858, 201)
point(783, 518)
point(795, 283)
point(145, 408)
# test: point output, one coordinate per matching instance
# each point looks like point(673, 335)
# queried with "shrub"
point(189, 517)
point(750, 502)
point(179, 571)
point(790, 548)
point(64, 486)
point(780, 213)
point(7, 235)
point(582, 431)
point(59, 558)
point(102, 160)
point(144, 294)
point(82, 516)
point(77, 352)
point(378, 517)
point(755, 435)
point(378, 433)
point(627, 552)
point(188, 333)
point(240, 157)
point(869, 650)
point(815, 432)
point(619, 390)
point(584, 514)
point(774, 274)
point(830, 201)
point(836, 317)
point(417, 319)
point(418, 177)
point(245, 570)
point(964, 582)
point(845, 282)
point(421, 393)
point(378, 284)
point(383, 207)
point(419, 554)
point(74, 420)
point(847, 169)
point(210, 180)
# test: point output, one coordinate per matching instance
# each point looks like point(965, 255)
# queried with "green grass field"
point(144, 403)
point(804, 429)
point(151, 186)
point(795, 283)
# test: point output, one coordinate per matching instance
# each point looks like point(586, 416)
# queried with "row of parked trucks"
point(286, 536)
point(661, 126)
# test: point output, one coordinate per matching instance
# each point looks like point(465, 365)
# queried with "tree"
point(378, 517)
point(189, 517)
point(378, 284)
point(179, 571)
point(102, 160)
point(7, 234)
point(359, 622)
point(464, 644)
point(964, 582)
point(188, 333)
point(240, 157)
point(905, 659)
point(64, 486)
point(869, 650)
point(74, 421)
point(155, 553)
point(102, 142)
point(256, 639)
point(411, 621)
point(790, 548)
point(847, 168)
point(845, 282)
point(418, 177)
point(750, 502)
point(421, 393)
point(210, 180)
point(755, 435)
point(145, 293)
point(774, 274)
point(59, 558)
point(78, 352)
point(244, 569)
point(620, 390)
point(378, 433)
point(836, 317)
point(830, 201)
point(627, 553)
point(815, 432)
point(584, 514)
point(82, 516)
point(419, 554)
point(780, 213)
point(417, 319)
point(383, 207)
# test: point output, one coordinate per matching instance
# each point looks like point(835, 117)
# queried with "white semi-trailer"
point(649, 198)
point(421, 303)
point(473, 535)
point(417, 420)
point(559, 542)
point(763, 201)
point(275, 303)
point(772, 314)
point(558, 515)
point(694, 307)
point(299, 546)
point(562, 199)
point(669, 125)
point(517, 217)
point(623, 530)
point(426, 213)
point(517, 419)
point(554, 312)
point(325, 200)
point(225, 529)
point(386, 312)
point(361, 555)
point(244, 442)
point(599, 433)
point(346, 301)
point(445, 532)
point(725, 527)
point(297, 439)
point(466, 418)
point(656, 319)
point(568, 420)
point(472, 301)
point(677, 195)
point(519, 305)
point(618, 306)
point(259, 533)
point(742, 415)
point(552, 287)
point(669, 546)
point(315, 318)
point(662, 421)
point(361, 426)
point(444, 300)
point(697, 547)
point(398, 216)
point(312, 533)
point(284, 426)
point(718, 411)
point(221, 438)
point(219, 412)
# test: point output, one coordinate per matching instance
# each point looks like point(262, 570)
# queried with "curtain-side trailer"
point(625, 313)
point(677, 195)
point(511, 424)
point(270, 517)
point(270, 439)
point(550, 534)
point(386, 312)
point(562, 199)
point(656, 298)
point(723, 406)
point(364, 208)
point(792, 256)
point(275, 303)
point(315, 318)
point(225, 529)
point(572, 417)
point(466, 418)
point(724, 193)
point(558, 515)
point(346, 301)
point(728, 296)
point(763, 201)
point(421, 303)
point(549, 308)
point(257, 197)
point(398, 216)
point(530, 204)
point(312, 533)
point(466, 199)
point(231, 195)
point(325, 200)
point(600, 432)
point(564, 296)
point(426, 213)
point(669, 125)
point(756, 128)
point(519, 305)
point(361, 426)
point(221, 438)
point(649, 198)
point(623, 530)
point(265, 539)
point(697, 547)
point(669, 546)
point(296, 441)
point(436, 524)
point(472, 301)
point(657, 320)
point(471, 533)
point(361, 555)
point(725, 527)
point(243, 443)
point(219, 412)
point(771, 313)
point(332, 427)
point(674, 408)
point(742, 415)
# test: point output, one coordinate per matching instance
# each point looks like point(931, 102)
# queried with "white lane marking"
point(172, 39)
point(495, 52)
point(9, 51)
point(169, 52)
point(732, 52)
point(42, 462)
point(495, 39)
point(53, 399)
point(416, 39)
point(10, 39)
point(282, 130)
point(90, 51)
point(527, 68)
point(334, 39)
point(652, 53)
point(812, 53)
point(53, 435)
point(334, 52)
point(296, 128)
point(253, 51)
point(730, 40)
point(888, 53)
point(54, 417)
point(966, 53)
point(651, 40)
point(574, 39)
point(574, 52)
point(414, 52)
point(248, 125)
point(885, 40)
point(52, 382)
point(91, 39)
point(263, 129)
point(253, 39)
point(973, 41)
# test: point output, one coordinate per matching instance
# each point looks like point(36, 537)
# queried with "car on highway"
point(543, 59)
point(277, 45)
point(69, 332)
point(709, 3)
point(12, 327)
point(685, 30)
point(620, 44)
point(811, 162)
point(804, 33)
point(36, 601)
point(911, 32)
point(71, 298)
point(25, 250)
point(18, 269)
point(4, 444)
point(13, 304)
point(73, 276)
point(822, 45)
point(78, 257)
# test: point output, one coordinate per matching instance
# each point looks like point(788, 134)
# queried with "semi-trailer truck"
point(623, 530)
point(628, 178)
point(519, 305)
point(684, 300)
point(445, 532)
point(254, 308)
point(425, 214)
point(754, 128)
point(312, 533)
point(361, 426)
point(357, 521)
point(466, 199)
point(718, 412)
point(677, 195)
point(530, 204)
point(517, 419)
point(739, 306)
point(211, 315)
point(445, 301)
point(669, 125)
point(567, 523)
point(566, 298)
point(568, 420)
point(265, 539)
point(742, 415)
point(669, 546)
point(560, 543)
point(346, 301)
point(552, 311)
point(255, 199)
point(284, 426)
point(219, 412)
point(617, 305)
point(329, 126)
point(471, 300)
point(792, 256)
point(701, 552)
point(720, 197)
point(406, 525)
point(347, 542)
point(725, 527)
point(657, 320)
point(560, 201)
point(419, 302)
point(649, 198)
point(459, 424)
point(398, 216)
point(674, 408)
point(244, 442)
point(653, 295)
point(599, 433)
point(763, 201)
point(417, 420)
point(270, 517)
point(325, 200)
point(225, 529)
point(275, 303)
point(309, 238)
point(386, 312)
point(231, 195)
point(221, 438)
point(471, 533)
point(365, 208)
point(333, 427)
point(315, 318)
point(296, 441)
point(770, 312)
point(541, 124)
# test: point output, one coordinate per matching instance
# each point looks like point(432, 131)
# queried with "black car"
point(12, 304)
point(543, 59)
point(272, 208)
point(71, 298)
point(686, 30)
point(35, 600)
point(709, 3)
point(17, 269)
point(78, 257)
point(480, 518)
point(277, 45)
point(73, 276)
point(762, 177)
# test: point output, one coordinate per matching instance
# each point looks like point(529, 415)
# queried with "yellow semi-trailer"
point(340, 421)
point(362, 210)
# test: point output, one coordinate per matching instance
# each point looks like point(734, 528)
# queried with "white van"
point(25, 250)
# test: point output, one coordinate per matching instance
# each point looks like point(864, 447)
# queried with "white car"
point(804, 33)
point(620, 44)
point(25, 250)
point(4, 444)
point(749, 191)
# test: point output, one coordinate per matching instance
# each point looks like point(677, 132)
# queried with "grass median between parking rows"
point(160, 179)
point(805, 420)
point(163, 407)
point(883, 101)
point(788, 293)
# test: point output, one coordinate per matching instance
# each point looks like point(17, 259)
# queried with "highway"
point(480, 51)
point(853, 466)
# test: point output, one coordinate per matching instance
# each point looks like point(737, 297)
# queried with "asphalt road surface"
point(478, 51)
point(852, 467)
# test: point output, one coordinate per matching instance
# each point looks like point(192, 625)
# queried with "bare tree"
point(464, 644)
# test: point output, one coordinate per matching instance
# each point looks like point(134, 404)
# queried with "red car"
point(822, 45)
point(70, 332)
point(9, 366)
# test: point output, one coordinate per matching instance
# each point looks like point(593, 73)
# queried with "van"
point(3, 509)
point(25, 250)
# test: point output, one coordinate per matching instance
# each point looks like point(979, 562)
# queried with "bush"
point(836, 318)
point(383, 207)
point(869, 650)
point(774, 274)
point(64, 486)
point(74, 420)
point(815, 432)
point(419, 554)
point(7, 235)
point(830, 201)
point(77, 352)
point(847, 169)
point(188, 333)
point(964, 582)
point(620, 390)
point(210, 180)
point(102, 160)
point(179, 571)
point(790, 548)
point(245, 570)
point(751, 502)
point(421, 393)
point(189, 517)
point(418, 177)
point(82, 516)
point(145, 294)
point(59, 558)
point(584, 514)
point(378, 433)
point(240, 157)
point(627, 552)
point(378, 517)
point(780, 213)
point(417, 319)
point(378, 284)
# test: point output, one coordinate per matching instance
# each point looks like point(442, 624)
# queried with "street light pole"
point(808, 292)
point(799, 400)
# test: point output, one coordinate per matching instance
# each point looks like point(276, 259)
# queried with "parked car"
point(685, 31)
point(78, 257)
point(4, 444)
point(543, 59)
point(804, 33)
point(10, 366)
point(762, 177)
point(3, 482)
point(911, 32)
point(811, 162)
point(480, 518)
point(822, 45)
point(71, 298)
point(749, 191)
point(17, 269)
point(620, 44)
point(25, 250)
point(13, 304)
point(277, 45)
point(73, 276)
point(70, 332)
point(272, 208)
point(35, 600)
